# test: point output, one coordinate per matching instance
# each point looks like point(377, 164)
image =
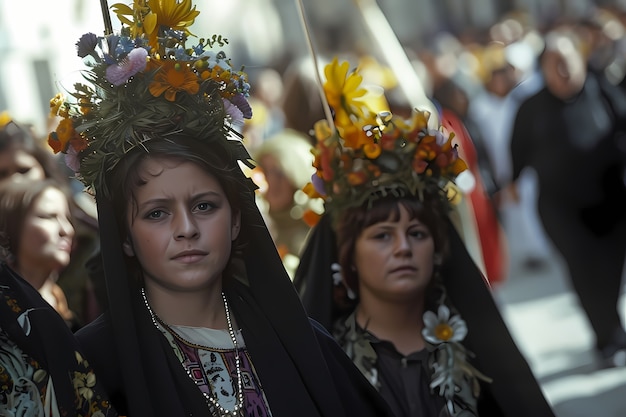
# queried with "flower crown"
point(373, 154)
point(145, 82)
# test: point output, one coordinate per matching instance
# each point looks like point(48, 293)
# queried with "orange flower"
point(59, 139)
point(356, 178)
point(311, 218)
point(310, 191)
point(325, 163)
point(374, 170)
point(442, 160)
point(388, 141)
point(54, 143)
point(419, 165)
point(457, 166)
point(372, 150)
point(79, 143)
point(172, 78)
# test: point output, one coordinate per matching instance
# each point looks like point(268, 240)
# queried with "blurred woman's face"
point(47, 234)
point(280, 190)
point(15, 163)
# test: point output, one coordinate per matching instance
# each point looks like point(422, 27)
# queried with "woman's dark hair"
point(16, 201)
point(430, 211)
point(216, 160)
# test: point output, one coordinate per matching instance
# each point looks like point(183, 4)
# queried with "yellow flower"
point(343, 90)
point(5, 119)
point(171, 14)
point(146, 17)
point(55, 104)
point(172, 78)
point(137, 19)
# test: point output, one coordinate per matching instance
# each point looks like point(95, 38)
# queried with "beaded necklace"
point(214, 405)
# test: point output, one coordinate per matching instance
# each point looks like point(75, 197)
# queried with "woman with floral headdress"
point(387, 273)
point(203, 318)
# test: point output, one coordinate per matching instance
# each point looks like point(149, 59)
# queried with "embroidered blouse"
point(208, 356)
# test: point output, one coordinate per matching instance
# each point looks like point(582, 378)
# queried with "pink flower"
point(135, 61)
point(71, 159)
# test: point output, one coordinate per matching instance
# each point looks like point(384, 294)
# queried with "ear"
point(128, 247)
point(236, 225)
point(438, 259)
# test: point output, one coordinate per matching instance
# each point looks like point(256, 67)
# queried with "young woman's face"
point(183, 229)
point(47, 234)
point(394, 259)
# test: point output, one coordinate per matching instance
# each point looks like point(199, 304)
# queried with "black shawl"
point(514, 391)
point(42, 334)
point(302, 370)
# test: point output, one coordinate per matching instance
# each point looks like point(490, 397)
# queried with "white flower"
point(442, 328)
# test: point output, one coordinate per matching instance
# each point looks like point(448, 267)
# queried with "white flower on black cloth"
point(453, 377)
point(442, 328)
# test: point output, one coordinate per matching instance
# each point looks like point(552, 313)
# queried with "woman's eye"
point(155, 214)
point(205, 206)
point(381, 236)
point(420, 234)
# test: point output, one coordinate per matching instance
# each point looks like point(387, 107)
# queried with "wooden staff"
point(393, 51)
point(106, 17)
point(320, 84)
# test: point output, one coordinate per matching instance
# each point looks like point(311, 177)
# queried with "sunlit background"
point(37, 36)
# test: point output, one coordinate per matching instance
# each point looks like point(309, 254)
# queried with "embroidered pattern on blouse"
point(213, 370)
point(26, 389)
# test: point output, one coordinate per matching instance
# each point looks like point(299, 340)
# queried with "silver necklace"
point(237, 410)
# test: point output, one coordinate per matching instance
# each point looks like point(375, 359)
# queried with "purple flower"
point(240, 101)
point(318, 184)
point(86, 45)
point(135, 61)
point(71, 159)
point(440, 138)
point(236, 116)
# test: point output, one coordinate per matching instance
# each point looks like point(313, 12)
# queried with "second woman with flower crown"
point(387, 273)
point(203, 319)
